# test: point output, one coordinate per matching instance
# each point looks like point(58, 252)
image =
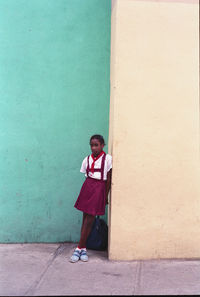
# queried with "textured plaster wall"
point(54, 94)
point(154, 130)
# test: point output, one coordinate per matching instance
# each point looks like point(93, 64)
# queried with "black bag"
point(98, 237)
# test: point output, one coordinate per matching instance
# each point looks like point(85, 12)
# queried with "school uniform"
point(92, 197)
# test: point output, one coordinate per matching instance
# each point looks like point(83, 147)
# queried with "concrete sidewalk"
point(44, 269)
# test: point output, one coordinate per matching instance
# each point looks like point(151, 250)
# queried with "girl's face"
point(96, 147)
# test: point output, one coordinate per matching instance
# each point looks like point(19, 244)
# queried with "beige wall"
point(154, 130)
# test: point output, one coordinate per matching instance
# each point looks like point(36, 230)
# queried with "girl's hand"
point(108, 184)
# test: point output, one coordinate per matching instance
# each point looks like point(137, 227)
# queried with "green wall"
point(54, 94)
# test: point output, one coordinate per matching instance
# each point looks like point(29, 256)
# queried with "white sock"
point(77, 249)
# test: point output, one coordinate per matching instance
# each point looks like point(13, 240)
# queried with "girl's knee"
point(89, 220)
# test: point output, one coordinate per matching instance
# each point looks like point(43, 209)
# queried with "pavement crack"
point(33, 287)
point(137, 278)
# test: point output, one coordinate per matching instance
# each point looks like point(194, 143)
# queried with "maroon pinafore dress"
point(92, 197)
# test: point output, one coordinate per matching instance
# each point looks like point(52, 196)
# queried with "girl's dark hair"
point(98, 137)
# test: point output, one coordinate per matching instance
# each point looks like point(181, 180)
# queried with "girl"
point(93, 196)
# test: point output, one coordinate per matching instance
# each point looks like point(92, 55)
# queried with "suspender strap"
point(87, 170)
point(103, 165)
point(96, 170)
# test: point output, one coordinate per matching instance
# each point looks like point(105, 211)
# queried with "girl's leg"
point(84, 215)
point(85, 229)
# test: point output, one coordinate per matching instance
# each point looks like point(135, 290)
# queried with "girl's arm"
point(108, 184)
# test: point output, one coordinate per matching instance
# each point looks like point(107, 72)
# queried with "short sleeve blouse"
point(97, 175)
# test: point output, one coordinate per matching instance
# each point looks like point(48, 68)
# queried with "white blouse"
point(97, 165)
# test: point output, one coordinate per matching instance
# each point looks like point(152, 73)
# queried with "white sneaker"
point(76, 256)
point(84, 256)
